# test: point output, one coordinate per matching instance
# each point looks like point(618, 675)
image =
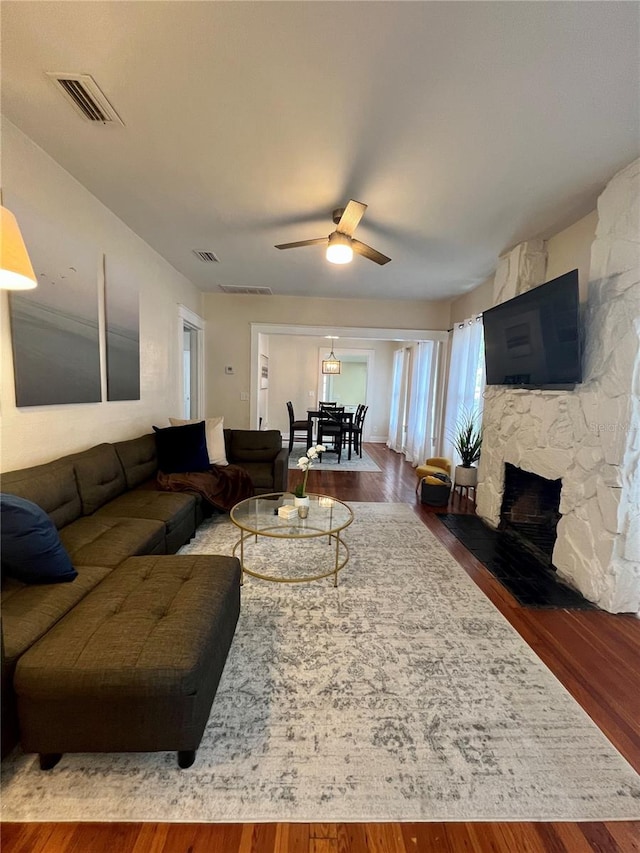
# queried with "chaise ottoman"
point(135, 666)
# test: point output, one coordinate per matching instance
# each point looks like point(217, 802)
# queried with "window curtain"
point(398, 393)
point(466, 381)
point(419, 443)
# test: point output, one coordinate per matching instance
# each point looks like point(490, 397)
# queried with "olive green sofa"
point(108, 512)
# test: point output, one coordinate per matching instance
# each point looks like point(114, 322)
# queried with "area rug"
point(401, 695)
point(330, 461)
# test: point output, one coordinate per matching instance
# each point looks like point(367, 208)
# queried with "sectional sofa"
point(127, 656)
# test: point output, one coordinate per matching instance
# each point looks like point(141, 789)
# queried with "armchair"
point(433, 465)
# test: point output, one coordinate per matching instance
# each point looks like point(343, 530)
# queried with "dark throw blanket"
point(222, 487)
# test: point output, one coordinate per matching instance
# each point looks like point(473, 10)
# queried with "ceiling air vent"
point(253, 291)
point(86, 96)
point(207, 257)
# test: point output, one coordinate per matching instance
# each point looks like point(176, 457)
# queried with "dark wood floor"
point(595, 655)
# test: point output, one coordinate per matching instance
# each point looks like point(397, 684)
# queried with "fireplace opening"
point(529, 513)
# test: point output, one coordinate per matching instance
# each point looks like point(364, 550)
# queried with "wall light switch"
point(228, 370)
point(312, 393)
point(244, 396)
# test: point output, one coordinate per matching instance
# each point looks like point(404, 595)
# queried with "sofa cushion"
point(30, 547)
point(105, 541)
point(52, 486)
point(247, 445)
point(100, 476)
point(182, 449)
point(170, 508)
point(214, 431)
point(138, 459)
point(261, 474)
point(28, 612)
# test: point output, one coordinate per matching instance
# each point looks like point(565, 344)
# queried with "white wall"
point(32, 435)
point(571, 249)
point(229, 321)
point(567, 250)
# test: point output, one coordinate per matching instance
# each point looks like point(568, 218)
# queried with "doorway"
point(349, 387)
point(192, 364)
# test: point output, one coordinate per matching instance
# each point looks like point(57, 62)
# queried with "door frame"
point(188, 318)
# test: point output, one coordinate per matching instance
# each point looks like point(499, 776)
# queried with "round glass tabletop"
point(260, 515)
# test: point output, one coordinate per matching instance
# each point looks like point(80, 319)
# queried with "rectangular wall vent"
point(207, 257)
point(83, 92)
point(253, 291)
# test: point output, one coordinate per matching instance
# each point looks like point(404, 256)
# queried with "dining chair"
point(354, 429)
point(295, 426)
point(358, 428)
point(332, 426)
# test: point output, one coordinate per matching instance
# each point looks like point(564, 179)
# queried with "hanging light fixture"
point(331, 364)
point(16, 272)
point(339, 250)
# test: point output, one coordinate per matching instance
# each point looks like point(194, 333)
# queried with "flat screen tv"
point(533, 340)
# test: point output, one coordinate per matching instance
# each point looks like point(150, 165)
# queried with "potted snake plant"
point(467, 441)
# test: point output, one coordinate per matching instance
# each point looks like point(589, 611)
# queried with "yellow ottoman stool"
point(433, 465)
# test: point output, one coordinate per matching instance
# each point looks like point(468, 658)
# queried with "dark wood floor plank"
point(385, 838)
point(626, 834)
point(152, 838)
point(352, 838)
point(26, 837)
point(568, 835)
point(426, 838)
point(323, 830)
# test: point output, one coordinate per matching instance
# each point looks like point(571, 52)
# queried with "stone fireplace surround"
point(589, 437)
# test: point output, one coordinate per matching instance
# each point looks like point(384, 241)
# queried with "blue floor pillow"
point(31, 550)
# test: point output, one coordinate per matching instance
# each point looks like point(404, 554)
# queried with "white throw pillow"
point(214, 431)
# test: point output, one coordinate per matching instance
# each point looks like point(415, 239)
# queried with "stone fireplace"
point(587, 439)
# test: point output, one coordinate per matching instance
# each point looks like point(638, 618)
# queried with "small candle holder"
point(303, 511)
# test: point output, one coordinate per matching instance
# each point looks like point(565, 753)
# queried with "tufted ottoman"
point(134, 667)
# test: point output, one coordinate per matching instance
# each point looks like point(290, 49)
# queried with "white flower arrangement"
point(304, 463)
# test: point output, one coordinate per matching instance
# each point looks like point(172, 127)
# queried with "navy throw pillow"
point(31, 548)
point(182, 449)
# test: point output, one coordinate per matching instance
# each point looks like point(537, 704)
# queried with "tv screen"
point(533, 340)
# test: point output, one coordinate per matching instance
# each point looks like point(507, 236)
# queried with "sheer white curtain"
point(398, 394)
point(466, 382)
point(420, 421)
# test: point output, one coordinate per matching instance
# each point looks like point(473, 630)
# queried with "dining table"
point(315, 415)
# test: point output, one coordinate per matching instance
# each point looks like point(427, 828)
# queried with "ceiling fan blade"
point(315, 242)
point(368, 252)
point(352, 215)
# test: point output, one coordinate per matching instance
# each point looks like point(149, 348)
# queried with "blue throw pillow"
point(182, 449)
point(31, 548)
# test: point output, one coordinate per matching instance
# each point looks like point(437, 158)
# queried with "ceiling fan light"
point(339, 250)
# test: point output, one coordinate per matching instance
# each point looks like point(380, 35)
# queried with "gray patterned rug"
point(330, 461)
point(401, 695)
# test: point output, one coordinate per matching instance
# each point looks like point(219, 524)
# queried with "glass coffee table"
point(328, 517)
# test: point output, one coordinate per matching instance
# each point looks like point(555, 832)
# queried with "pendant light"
point(331, 365)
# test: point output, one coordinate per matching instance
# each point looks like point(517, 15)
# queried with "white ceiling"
point(466, 127)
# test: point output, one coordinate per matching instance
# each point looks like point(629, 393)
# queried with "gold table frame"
point(302, 529)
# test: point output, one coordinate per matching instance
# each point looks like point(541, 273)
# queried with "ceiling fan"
point(341, 243)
